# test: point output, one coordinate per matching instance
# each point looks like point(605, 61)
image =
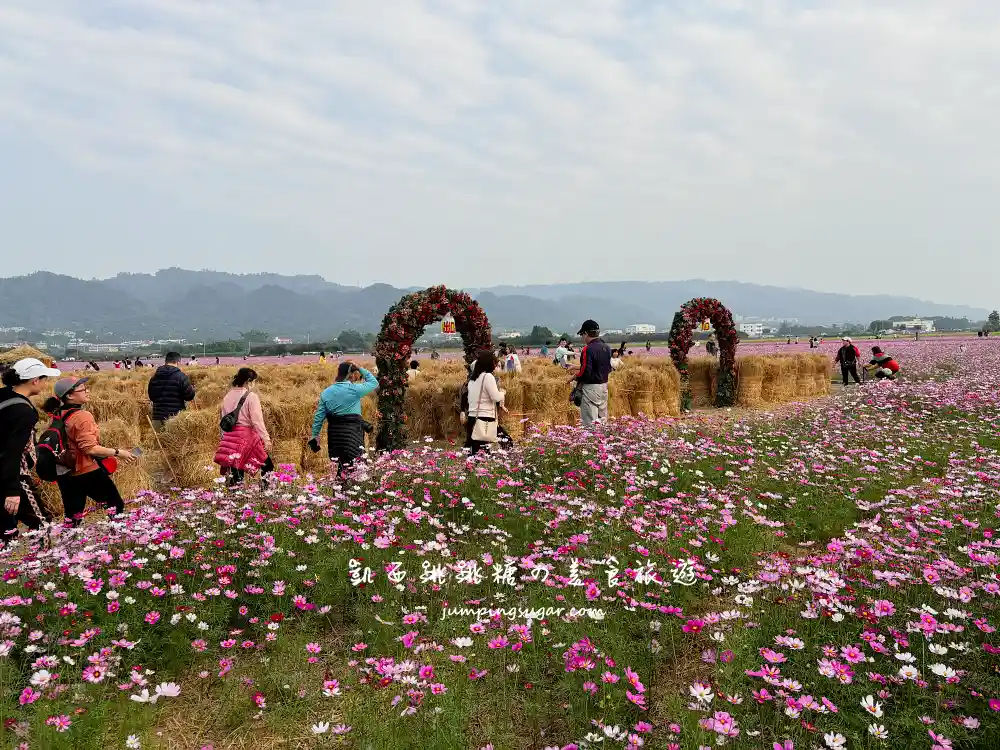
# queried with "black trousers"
point(852, 370)
point(504, 439)
point(97, 485)
point(234, 476)
point(25, 514)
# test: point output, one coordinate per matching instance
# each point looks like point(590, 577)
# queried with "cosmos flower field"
point(822, 577)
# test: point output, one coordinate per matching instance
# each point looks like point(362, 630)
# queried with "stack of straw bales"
point(10, 356)
point(182, 454)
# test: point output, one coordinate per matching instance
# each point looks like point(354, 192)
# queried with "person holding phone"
point(340, 407)
point(94, 463)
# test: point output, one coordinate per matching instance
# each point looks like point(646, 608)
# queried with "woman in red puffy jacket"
point(247, 447)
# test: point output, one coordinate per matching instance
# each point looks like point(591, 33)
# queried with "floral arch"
point(690, 315)
point(403, 324)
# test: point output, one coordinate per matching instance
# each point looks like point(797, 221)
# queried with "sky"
point(838, 145)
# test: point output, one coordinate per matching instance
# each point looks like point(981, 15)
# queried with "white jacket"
point(493, 395)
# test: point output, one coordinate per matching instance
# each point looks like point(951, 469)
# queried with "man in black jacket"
point(169, 390)
point(847, 357)
point(592, 378)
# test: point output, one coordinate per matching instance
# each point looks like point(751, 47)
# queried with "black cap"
point(588, 326)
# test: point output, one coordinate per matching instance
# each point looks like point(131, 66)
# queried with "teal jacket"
point(343, 398)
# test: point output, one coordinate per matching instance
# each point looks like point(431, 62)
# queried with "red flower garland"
point(403, 324)
point(691, 314)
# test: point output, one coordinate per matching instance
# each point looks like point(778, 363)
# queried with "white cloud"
point(837, 144)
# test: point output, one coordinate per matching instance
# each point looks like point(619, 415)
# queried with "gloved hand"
point(314, 445)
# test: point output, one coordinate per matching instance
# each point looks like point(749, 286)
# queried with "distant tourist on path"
point(138, 363)
point(711, 347)
point(847, 357)
point(18, 417)
point(562, 353)
point(94, 463)
point(247, 447)
point(592, 377)
point(512, 362)
point(484, 396)
point(340, 406)
point(435, 354)
point(169, 389)
point(885, 366)
point(649, 347)
point(322, 358)
point(544, 351)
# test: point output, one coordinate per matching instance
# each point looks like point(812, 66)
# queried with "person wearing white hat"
point(848, 356)
point(18, 417)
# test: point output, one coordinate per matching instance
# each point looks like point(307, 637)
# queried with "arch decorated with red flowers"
point(685, 321)
point(403, 324)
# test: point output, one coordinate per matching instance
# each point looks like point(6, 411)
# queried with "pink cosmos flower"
point(853, 654)
point(693, 626)
point(28, 696)
point(995, 704)
point(883, 608)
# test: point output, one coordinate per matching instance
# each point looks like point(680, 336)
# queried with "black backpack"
point(52, 452)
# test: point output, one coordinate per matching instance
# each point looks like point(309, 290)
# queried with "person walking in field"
point(169, 389)
point(18, 417)
point(414, 371)
point(847, 357)
point(93, 464)
point(592, 377)
point(484, 398)
point(340, 407)
point(247, 446)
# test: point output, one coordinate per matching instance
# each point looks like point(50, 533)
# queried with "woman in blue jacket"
point(340, 407)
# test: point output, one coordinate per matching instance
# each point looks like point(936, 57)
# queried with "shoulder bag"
point(483, 431)
point(228, 421)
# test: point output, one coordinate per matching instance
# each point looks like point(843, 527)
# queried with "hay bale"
point(130, 478)
point(116, 406)
point(422, 396)
point(702, 376)
point(749, 391)
point(805, 383)
point(10, 356)
point(190, 440)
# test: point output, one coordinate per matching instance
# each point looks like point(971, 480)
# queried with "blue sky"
point(838, 145)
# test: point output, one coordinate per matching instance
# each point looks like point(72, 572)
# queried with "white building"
point(639, 329)
point(510, 334)
point(916, 324)
point(613, 332)
point(751, 329)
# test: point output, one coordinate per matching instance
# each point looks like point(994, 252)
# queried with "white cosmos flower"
point(168, 689)
point(133, 742)
point(41, 678)
point(834, 740)
point(701, 693)
point(869, 704)
point(906, 656)
point(322, 728)
point(144, 697)
point(463, 642)
point(943, 670)
point(878, 731)
point(908, 672)
point(938, 649)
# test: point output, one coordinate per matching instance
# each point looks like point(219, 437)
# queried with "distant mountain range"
point(174, 302)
